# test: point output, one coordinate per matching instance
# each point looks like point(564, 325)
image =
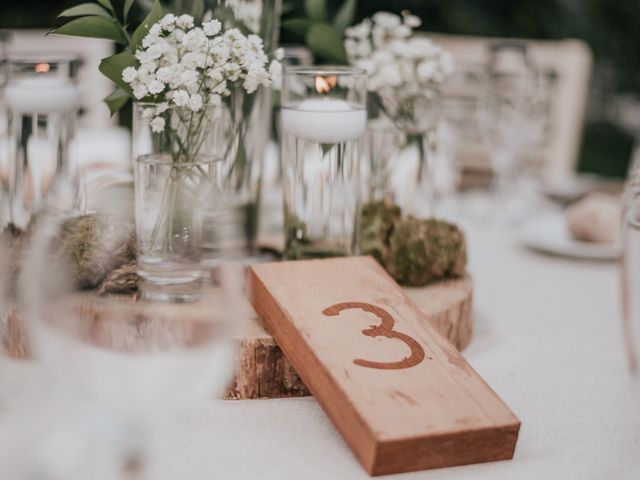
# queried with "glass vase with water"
point(323, 120)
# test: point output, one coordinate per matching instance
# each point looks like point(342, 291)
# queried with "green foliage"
point(322, 33)
point(126, 8)
point(316, 10)
point(93, 26)
point(112, 67)
point(99, 20)
point(117, 100)
point(155, 14)
point(85, 9)
point(326, 43)
point(345, 15)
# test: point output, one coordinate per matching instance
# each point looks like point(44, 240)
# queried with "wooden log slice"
point(262, 370)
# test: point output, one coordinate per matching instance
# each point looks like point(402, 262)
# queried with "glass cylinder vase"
point(323, 119)
point(177, 173)
point(250, 113)
point(41, 97)
point(415, 114)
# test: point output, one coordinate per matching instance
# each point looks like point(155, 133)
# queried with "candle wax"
point(324, 120)
point(41, 94)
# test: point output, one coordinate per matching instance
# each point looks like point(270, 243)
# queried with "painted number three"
point(385, 329)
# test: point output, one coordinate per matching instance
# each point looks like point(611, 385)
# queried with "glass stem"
point(424, 203)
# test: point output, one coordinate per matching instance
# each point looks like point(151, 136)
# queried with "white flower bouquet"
point(403, 69)
point(185, 68)
point(404, 72)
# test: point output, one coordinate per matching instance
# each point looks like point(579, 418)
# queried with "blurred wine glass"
point(630, 264)
point(512, 114)
point(132, 369)
point(459, 130)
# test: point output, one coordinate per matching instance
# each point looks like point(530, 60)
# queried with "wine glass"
point(512, 114)
point(133, 369)
point(630, 264)
point(460, 133)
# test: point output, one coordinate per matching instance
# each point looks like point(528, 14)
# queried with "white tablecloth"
point(547, 339)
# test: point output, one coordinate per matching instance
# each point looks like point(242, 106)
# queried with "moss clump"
point(377, 223)
point(424, 251)
point(95, 245)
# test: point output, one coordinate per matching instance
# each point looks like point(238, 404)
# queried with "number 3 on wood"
point(385, 329)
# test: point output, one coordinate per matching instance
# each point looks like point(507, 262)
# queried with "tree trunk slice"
point(262, 370)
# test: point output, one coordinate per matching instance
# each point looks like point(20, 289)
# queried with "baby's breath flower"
point(129, 74)
point(188, 66)
point(157, 124)
point(181, 98)
point(392, 56)
point(155, 87)
point(212, 27)
point(139, 91)
point(185, 22)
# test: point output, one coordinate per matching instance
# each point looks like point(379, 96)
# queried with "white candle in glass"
point(41, 94)
point(324, 120)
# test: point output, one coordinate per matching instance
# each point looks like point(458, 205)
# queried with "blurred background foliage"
point(610, 27)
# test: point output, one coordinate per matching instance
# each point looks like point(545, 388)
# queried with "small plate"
point(548, 233)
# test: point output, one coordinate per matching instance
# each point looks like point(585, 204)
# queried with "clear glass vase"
point(323, 120)
point(250, 113)
point(403, 147)
point(178, 179)
point(41, 97)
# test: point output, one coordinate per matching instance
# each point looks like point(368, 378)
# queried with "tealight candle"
point(324, 120)
point(41, 94)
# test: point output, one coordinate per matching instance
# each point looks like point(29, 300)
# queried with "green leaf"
point(287, 7)
point(297, 25)
point(345, 15)
point(85, 9)
point(108, 5)
point(93, 26)
point(325, 42)
point(154, 15)
point(112, 67)
point(316, 10)
point(197, 10)
point(117, 100)
point(126, 8)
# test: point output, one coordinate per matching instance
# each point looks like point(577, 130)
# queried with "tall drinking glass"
point(42, 98)
point(512, 113)
point(323, 119)
point(131, 370)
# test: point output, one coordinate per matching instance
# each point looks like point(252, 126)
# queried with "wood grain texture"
point(435, 412)
point(262, 369)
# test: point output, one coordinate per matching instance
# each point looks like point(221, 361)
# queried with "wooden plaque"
point(402, 396)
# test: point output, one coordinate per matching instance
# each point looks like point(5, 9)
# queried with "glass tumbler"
point(323, 120)
point(41, 96)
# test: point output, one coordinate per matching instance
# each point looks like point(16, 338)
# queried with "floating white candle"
point(41, 94)
point(324, 120)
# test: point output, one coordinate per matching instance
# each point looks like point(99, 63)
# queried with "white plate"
point(549, 234)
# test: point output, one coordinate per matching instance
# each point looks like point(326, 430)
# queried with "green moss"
point(94, 245)
point(377, 222)
point(424, 251)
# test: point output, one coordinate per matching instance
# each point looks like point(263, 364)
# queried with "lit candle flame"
point(325, 84)
point(42, 68)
